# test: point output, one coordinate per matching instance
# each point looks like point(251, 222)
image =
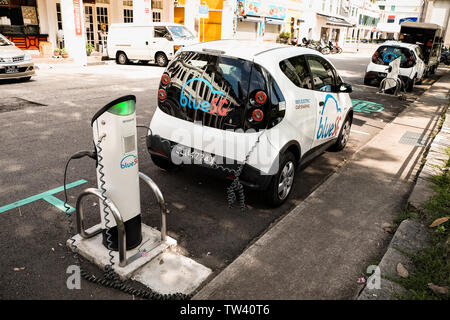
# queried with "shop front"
point(293, 24)
point(20, 24)
point(259, 20)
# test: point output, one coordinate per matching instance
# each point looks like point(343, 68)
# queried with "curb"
point(411, 237)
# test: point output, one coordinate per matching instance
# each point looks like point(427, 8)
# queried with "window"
point(128, 15)
point(296, 70)
point(382, 8)
point(58, 16)
point(156, 16)
point(89, 24)
point(102, 19)
point(391, 19)
point(161, 32)
point(157, 4)
point(392, 8)
point(322, 74)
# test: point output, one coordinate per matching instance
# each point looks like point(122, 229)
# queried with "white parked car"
point(157, 41)
point(228, 102)
point(14, 63)
point(412, 66)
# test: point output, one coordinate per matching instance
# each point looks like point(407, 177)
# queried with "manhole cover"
point(13, 104)
point(413, 139)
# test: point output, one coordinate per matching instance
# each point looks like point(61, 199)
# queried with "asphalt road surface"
point(46, 120)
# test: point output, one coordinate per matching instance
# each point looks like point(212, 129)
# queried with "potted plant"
point(56, 52)
point(284, 37)
point(89, 48)
point(64, 53)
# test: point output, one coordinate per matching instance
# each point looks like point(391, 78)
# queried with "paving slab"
point(94, 251)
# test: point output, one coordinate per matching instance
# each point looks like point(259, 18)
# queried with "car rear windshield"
point(218, 91)
point(386, 54)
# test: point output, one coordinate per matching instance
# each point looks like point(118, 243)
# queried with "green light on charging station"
point(124, 108)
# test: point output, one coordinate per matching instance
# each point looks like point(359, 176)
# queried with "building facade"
point(394, 13)
point(438, 12)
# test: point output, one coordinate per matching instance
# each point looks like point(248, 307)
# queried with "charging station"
point(144, 253)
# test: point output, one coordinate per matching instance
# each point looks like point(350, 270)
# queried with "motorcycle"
point(334, 47)
point(445, 57)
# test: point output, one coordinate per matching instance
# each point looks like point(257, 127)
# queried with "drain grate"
point(13, 104)
point(413, 139)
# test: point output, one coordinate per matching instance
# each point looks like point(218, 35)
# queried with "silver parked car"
point(14, 63)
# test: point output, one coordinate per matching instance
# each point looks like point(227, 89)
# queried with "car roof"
point(399, 44)
point(246, 49)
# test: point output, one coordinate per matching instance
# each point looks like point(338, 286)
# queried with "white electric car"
point(412, 66)
point(265, 108)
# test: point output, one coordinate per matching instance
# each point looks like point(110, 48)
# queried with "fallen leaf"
point(361, 280)
point(439, 221)
point(19, 269)
point(401, 270)
point(437, 289)
point(161, 261)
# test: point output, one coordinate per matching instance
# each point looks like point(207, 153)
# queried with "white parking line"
point(360, 132)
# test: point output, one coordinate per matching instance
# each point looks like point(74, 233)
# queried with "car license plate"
point(194, 156)
point(11, 69)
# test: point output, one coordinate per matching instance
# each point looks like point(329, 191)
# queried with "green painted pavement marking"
point(58, 203)
point(41, 196)
point(368, 107)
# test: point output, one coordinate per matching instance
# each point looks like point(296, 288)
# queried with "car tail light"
point(257, 115)
point(375, 56)
point(261, 97)
point(162, 94)
point(165, 79)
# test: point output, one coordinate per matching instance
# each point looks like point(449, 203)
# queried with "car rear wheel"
point(280, 186)
point(410, 84)
point(121, 58)
point(164, 164)
point(161, 59)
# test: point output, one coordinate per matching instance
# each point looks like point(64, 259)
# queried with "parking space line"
point(47, 196)
point(360, 132)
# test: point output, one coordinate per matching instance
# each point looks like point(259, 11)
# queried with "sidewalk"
point(322, 246)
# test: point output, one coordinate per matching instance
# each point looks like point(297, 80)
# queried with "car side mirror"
point(345, 88)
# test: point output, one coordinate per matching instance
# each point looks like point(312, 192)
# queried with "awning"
point(333, 21)
point(250, 19)
point(275, 21)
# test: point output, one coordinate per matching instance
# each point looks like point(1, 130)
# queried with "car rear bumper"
point(24, 70)
point(250, 177)
point(378, 76)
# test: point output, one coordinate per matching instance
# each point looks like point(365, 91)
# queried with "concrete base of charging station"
point(162, 270)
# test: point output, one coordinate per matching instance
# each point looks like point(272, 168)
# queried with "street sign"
point(203, 12)
point(77, 17)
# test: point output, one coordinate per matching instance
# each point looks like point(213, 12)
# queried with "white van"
point(147, 42)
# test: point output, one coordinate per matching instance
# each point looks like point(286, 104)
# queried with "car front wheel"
point(343, 137)
point(281, 184)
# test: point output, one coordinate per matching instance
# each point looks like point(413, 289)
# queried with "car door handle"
point(321, 103)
